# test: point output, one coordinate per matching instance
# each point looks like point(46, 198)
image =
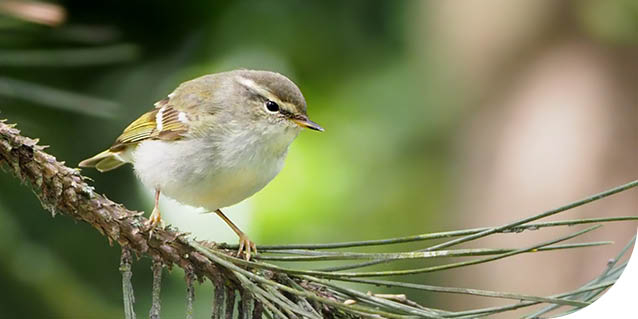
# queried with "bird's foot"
point(246, 247)
point(154, 221)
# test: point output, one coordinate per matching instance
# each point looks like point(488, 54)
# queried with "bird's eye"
point(272, 107)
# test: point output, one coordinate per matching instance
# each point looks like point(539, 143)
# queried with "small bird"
point(213, 142)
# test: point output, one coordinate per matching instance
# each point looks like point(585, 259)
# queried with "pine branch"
point(275, 291)
point(63, 190)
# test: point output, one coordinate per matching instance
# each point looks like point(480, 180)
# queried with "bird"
point(213, 142)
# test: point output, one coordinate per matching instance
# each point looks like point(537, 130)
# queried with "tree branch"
point(266, 289)
point(61, 189)
point(64, 190)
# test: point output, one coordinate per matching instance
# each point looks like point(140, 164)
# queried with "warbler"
point(213, 142)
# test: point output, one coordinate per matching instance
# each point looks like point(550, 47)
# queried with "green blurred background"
point(438, 116)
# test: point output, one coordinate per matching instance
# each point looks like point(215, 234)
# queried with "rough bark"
point(63, 190)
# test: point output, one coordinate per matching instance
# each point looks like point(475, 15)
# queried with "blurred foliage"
point(382, 168)
point(614, 20)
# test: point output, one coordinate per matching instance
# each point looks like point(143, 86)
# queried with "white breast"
point(212, 173)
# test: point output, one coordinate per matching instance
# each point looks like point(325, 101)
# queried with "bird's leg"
point(245, 245)
point(155, 219)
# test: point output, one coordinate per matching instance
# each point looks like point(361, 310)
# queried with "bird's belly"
point(208, 180)
point(222, 189)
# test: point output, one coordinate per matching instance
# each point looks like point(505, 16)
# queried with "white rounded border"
point(620, 301)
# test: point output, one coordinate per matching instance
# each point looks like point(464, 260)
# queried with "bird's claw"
point(154, 221)
point(247, 247)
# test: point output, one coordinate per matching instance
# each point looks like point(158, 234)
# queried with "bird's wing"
point(165, 122)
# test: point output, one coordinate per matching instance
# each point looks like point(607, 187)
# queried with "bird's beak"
point(304, 121)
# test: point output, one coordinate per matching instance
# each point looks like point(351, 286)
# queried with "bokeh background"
point(439, 115)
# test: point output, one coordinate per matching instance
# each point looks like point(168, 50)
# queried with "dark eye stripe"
point(285, 113)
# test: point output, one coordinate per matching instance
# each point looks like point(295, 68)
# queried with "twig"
point(230, 302)
point(127, 286)
point(189, 276)
point(157, 266)
point(219, 297)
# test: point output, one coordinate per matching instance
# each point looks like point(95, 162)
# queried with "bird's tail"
point(104, 161)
